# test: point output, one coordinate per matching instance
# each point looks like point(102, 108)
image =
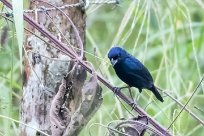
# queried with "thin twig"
point(53, 59)
point(72, 24)
point(198, 109)
point(79, 4)
point(139, 123)
point(74, 5)
point(181, 105)
point(46, 13)
point(48, 42)
point(105, 2)
point(24, 124)
point(50, 9)
point(187, 102)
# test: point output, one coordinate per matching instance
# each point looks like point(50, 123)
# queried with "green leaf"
point(18, 20)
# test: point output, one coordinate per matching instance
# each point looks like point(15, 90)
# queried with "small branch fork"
point(62, 47)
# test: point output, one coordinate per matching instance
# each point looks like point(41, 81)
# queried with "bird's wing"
point(137, 68)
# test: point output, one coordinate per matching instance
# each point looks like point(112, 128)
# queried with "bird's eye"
point(114, 58)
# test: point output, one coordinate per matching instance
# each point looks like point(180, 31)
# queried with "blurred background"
point(167, 36)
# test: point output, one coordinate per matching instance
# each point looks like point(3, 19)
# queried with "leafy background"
point(167, 36)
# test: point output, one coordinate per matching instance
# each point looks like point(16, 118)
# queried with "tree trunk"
point(55, 94)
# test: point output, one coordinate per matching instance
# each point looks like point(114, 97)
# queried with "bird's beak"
point(113, 62)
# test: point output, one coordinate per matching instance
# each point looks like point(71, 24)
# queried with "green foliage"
point(18, 20)
point(10, 81)
point(168, 37)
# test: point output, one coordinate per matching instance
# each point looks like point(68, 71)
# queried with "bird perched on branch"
point(131, 71)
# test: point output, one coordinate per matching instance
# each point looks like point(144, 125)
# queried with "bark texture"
point(48, 72)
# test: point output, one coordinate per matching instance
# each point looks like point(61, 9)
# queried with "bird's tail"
point(156, 93)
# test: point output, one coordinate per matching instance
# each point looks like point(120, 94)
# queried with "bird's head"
point(116, 54)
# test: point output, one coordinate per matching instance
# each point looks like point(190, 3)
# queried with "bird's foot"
point(116, 90)
point(133, 104)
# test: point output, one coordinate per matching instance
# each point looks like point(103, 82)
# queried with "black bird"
point(131, 71)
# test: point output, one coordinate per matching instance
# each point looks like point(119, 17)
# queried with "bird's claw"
point(116, 90)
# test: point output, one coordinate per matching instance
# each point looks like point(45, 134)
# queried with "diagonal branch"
point(72, 55)
point(182, 106)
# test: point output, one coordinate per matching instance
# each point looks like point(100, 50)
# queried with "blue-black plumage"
point(131, 71)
